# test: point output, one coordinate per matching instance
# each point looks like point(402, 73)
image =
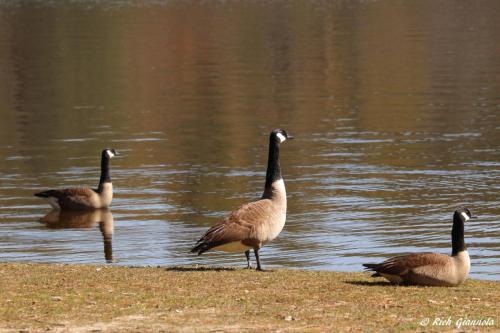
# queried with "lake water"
point(395, 106)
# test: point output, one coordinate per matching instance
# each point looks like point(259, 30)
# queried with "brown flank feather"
point(402, 265)
point(241, 225)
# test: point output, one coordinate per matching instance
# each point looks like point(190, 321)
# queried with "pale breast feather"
point(106, 195)
point(267, 217)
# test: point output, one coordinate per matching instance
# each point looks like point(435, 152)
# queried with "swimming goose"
point(431, 269)
point(84, 197)
point(256, 223)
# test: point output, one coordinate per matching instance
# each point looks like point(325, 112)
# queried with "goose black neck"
point(273, 163)
point(457, 235)
point(105, 178)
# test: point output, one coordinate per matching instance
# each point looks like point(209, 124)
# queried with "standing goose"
point(84, 197)
point(253, 224)
point(427, 268)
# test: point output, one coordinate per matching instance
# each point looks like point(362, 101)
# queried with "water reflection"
point(396, 108)
point(103, 218)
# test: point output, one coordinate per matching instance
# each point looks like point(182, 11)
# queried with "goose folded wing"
point(240, 225)
point(75, 196)
point(254, 213)
point(404, 264)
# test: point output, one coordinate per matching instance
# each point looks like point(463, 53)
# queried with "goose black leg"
point(247, 254)
point(256, 251)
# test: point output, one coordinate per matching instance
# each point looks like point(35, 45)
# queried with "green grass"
point(86, 298)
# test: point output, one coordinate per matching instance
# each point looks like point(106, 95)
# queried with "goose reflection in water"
point(57, 219)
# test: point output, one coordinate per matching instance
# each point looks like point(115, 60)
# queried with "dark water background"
point(395, 106)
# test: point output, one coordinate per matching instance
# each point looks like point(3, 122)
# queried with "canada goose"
point(84, 197)
point(57, 219)
point(427, 268)
point(253, 224)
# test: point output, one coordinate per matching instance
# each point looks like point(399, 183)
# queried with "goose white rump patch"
point(53, 202)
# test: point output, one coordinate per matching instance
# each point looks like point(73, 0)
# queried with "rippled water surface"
point(395, 107)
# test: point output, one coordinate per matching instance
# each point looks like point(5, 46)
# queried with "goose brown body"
point(429, 269)
point(83, 198)
point(79, 198)
point(249, 226)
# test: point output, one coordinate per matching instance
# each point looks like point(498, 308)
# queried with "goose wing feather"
point(240, 225)
point(402, 265)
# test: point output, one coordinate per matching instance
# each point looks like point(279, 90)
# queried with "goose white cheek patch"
point(110, 153)
point(281, 137)
point(466, 217)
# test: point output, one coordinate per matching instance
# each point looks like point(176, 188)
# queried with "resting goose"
point(256, 223)
point(84, 198)
point(431, 269)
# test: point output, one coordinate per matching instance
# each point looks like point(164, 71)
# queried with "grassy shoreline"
point(93, 298)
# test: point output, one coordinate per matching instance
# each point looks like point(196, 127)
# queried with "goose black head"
point(280, 136)
point(464, 214)
point(109, 153)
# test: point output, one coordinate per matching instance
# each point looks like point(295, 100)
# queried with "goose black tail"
point(373, 268)
point(199, 248)
point(203, 246)
point(45, 194)
point(370, 266)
